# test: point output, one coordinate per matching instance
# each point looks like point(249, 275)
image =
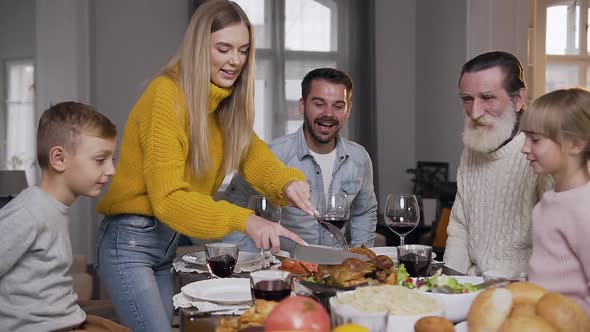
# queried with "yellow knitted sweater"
point(153, 178)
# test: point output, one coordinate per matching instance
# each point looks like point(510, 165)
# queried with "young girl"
point(557, 128)
point(192, 126)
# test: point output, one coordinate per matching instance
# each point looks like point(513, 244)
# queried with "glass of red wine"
point(221, 258)
point(402, 214)
point(416, 258)
point(333, 209)
point(262, 207)
point(270, 285)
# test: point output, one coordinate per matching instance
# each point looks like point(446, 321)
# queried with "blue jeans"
point(134, 260)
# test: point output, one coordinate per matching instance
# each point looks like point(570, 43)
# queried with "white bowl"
point(457, 306)
point(395, 323)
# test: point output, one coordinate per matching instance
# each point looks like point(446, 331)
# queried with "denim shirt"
point(352, 175)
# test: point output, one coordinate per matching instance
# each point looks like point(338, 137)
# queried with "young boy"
point(75, 149)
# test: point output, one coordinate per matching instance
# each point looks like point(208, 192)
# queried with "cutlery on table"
point(444, 289)
point(335, 231)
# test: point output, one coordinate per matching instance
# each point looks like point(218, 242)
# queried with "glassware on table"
point(510, 276)
point(402, 214)
point(263, 208)
point(270, 285)
point(334, 214)
point(345, 314)
point(221, 258)
point(416, 258)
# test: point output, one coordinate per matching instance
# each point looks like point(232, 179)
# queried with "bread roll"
point(489, 310)
point(526, 293)
point(526, 324)
point(564, 314)
point(434, 324)
point(523, 310)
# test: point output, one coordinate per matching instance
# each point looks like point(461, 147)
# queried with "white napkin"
point(182, 301)
point(181, 266)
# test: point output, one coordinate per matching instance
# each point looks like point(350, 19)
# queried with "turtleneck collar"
point(515, 145)
point(216, 95)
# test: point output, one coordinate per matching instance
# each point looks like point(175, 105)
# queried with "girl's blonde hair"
point(561, 114)
point(191, 68)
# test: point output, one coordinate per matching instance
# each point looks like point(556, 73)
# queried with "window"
point(292, 38)
point(565, 56)
point(20, 146)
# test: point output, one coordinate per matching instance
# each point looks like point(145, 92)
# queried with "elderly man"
point(329, 162)
point(490, 220)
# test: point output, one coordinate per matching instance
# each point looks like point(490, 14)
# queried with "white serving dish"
point(457, 305)
point(395, 323)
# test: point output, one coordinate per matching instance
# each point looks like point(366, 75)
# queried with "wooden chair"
point(440, 238)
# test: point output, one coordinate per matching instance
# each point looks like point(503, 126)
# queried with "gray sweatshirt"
point(36, 290)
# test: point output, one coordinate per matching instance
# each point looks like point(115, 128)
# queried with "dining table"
point(191, 320)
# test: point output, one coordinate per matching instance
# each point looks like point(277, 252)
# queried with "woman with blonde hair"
point(192, 125)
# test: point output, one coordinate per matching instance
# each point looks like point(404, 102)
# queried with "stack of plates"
point(244, 259)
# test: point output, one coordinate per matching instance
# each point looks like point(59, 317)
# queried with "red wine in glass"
point(403, 210)
point(401, 228)
point(416, 265)
point(221, 266)
point(336, 221)
point(271, 290)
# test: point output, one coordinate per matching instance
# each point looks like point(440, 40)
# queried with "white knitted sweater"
point(491, 218)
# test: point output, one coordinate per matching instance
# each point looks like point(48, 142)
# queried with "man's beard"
point(487, 133)
point(317, 137)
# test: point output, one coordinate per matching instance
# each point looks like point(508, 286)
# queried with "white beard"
point(487, 133)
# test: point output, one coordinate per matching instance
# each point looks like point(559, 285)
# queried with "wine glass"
point(221, 258)
point(263, 208)
point(402, 214)
point(334, 213)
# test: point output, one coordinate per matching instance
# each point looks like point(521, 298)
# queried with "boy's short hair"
point(63, 123)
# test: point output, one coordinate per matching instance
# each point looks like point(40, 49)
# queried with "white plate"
point(391, 252)
point(222, 291)
point(244, 258)
point(461, 327)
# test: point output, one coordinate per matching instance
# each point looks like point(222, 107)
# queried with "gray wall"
point(17, 41)
point(395, 53)
point(132, 40)
point(440, 53)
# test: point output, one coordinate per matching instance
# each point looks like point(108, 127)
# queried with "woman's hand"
point(266, 233)
point(298, 195)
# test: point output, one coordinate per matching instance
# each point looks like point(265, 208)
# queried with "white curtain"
point(20, 115)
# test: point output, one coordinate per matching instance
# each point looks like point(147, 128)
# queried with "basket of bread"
point(523, 307)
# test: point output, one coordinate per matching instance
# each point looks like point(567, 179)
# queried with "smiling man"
point(490, 220)
point(330, 163)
